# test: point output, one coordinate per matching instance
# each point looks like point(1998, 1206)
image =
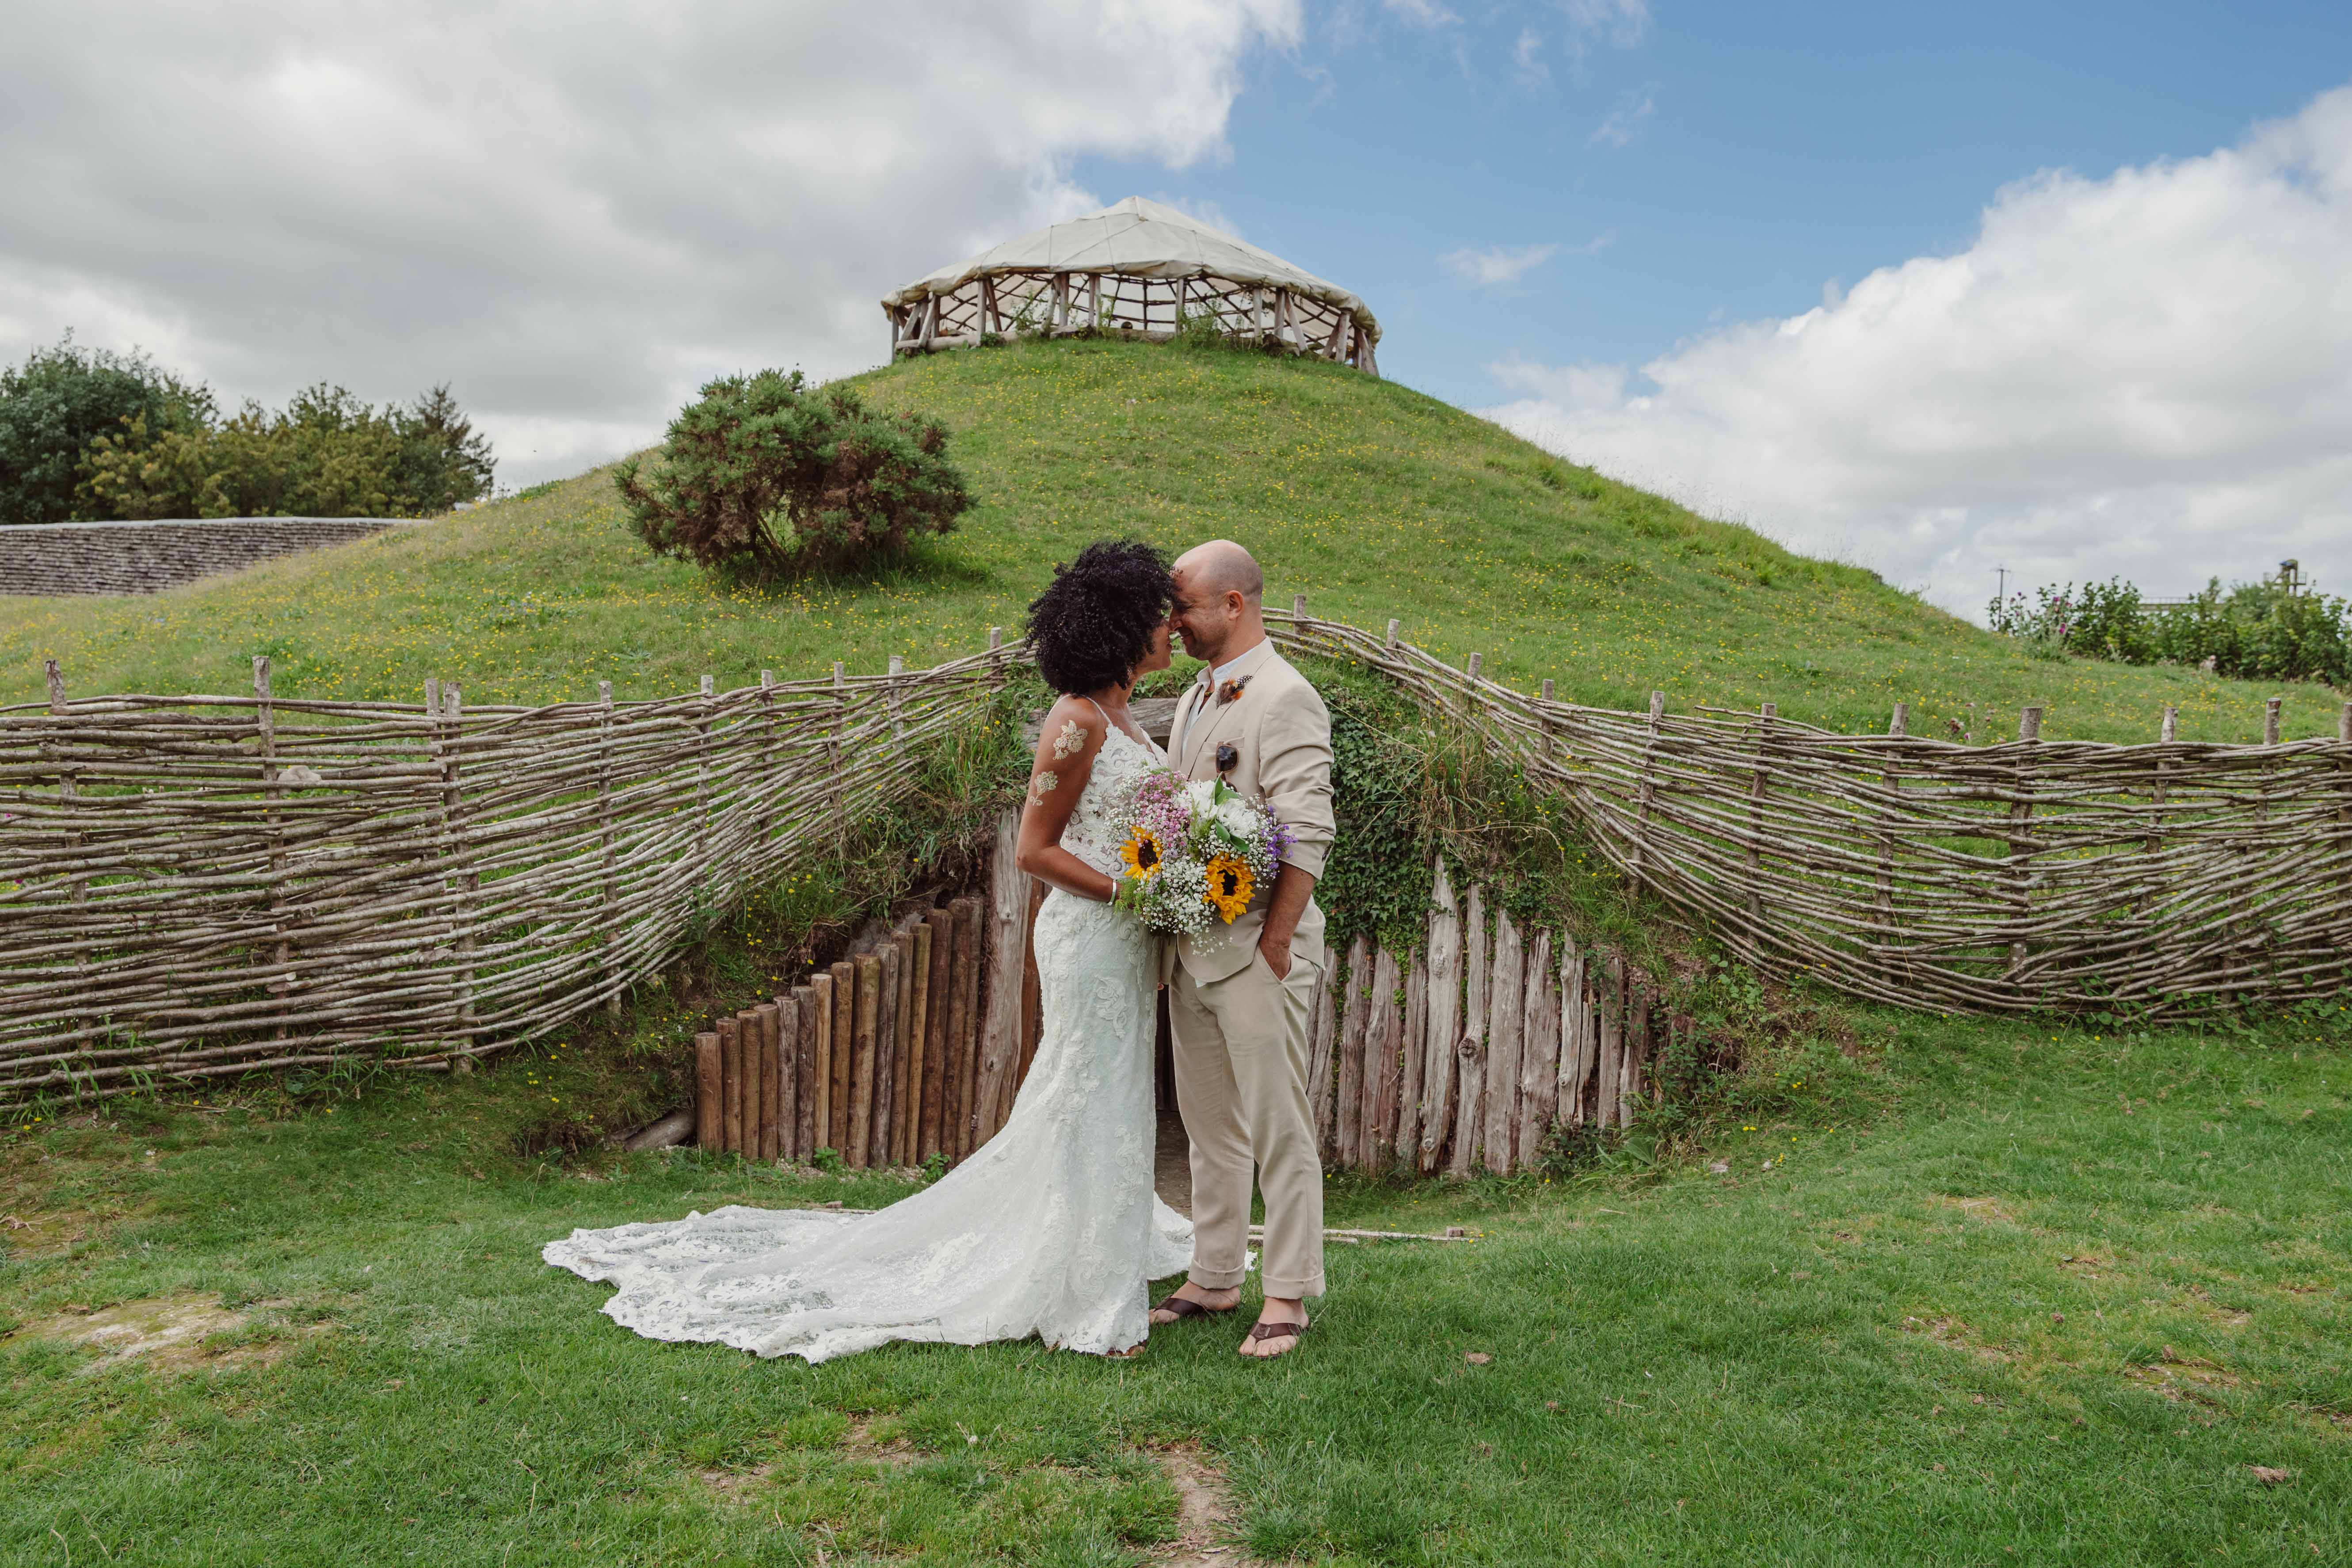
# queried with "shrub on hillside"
point(325, 454)
point(2251, 631)
point(59, 400)
point(771, 477)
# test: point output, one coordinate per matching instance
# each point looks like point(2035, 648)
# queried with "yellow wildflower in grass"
point(1230, 886)
point(1141, 853)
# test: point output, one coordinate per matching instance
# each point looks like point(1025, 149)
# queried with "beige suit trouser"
point(1240, 1055)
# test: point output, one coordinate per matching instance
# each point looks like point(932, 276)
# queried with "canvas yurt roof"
point(1138, 239)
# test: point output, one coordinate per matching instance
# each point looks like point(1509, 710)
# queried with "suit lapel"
point(1197, 735)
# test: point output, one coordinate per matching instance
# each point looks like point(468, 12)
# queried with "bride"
point(1052, 1228)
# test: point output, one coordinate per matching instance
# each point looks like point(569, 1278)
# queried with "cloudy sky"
point(1930, 289)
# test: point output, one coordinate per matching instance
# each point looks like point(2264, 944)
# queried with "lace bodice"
point(1092, 833)
point(1052, 1228)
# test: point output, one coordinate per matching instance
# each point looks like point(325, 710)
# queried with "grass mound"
point(1373, 499)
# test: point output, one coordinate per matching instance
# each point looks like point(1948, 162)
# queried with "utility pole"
point(2000, 594)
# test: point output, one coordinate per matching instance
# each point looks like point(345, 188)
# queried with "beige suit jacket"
point(1281, 736)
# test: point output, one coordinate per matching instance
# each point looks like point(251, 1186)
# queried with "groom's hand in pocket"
point(1276, 955)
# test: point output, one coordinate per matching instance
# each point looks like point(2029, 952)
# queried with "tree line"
point(2277, 629)
point(92, 435)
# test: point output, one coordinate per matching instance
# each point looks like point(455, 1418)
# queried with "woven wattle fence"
point(200, 886)
point(2024, 876)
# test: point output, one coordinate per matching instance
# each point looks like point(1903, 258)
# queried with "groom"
point(1239, 998)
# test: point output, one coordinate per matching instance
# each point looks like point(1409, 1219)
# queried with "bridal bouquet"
point(1192, 852)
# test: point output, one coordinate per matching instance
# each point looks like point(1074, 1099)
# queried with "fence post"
point(266, 726)
point(995, 658)
point(833, 760)
point(1897, 726)
point(2020, 813)
point(898, 726)
point(463, 881)
point(1767, 713)
point(2271, 720)
point(1543, 722)
point(702, 795)
point(768, 721)
point(611, 911)
point(1649, 794)
point(68, 788)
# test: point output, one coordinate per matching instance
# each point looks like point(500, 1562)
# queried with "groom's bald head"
point(1217, 568)
point(1218, 591)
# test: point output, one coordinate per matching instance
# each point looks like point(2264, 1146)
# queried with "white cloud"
point(1528, 68)
point(573, 214)
point(2147, 374)
point(1624, 23)
point(1496, 266)
point(1624, 121)
point(1420, 13)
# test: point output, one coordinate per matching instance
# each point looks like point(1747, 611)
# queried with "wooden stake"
point(731, 1076)
point(1000, 1042)
point(1507, 1001)
point(868, 1018)
point(845, 1054)
point(1444, 1032)
point(818, 1085)
point(788, 1075)
point(1384, 1039)
point(1354, 1017)
point(754, 1060)
point(965, 1023)
point(1575, 1034)
point(1414, 1053)
point(1470, 1055)
point(939, 942)
point(1612, 1062)
point(1539, 1055)
point(914, 1001)
point(710, 1092)
point(1322, 1034)
point(611, 891)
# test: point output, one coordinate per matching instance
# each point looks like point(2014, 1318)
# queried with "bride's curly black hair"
point(1094, 621)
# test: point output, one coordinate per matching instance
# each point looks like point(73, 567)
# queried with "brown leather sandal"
point(1182, 1307)
point(1260, 1332)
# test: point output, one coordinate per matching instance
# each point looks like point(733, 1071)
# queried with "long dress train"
point(1052, 1228)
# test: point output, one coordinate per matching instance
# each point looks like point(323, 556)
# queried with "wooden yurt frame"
point(1061, 302)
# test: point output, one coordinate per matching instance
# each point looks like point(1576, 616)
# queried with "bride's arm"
point(1065, 758)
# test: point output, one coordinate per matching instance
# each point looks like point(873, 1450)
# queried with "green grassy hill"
point(1374, 499)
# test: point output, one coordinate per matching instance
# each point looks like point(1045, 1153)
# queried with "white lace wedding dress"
point(1052, 1228)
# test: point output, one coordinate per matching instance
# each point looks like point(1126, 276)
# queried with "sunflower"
point(1141, 853)
point(1230, 886)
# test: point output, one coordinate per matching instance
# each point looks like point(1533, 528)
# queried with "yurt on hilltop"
point(1139, 268)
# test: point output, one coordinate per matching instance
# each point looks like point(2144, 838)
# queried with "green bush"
point(326, 454)
point(59, 401)
point(769, 477)
point(2251, 631)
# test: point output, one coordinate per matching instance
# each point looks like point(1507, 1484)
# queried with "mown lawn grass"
point(1373, 499)
point(2046, 1301)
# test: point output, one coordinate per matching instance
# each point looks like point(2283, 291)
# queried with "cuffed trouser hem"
point(1294, 1289)
point(1218, 1278)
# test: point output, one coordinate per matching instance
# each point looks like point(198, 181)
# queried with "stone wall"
point(145, 557)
